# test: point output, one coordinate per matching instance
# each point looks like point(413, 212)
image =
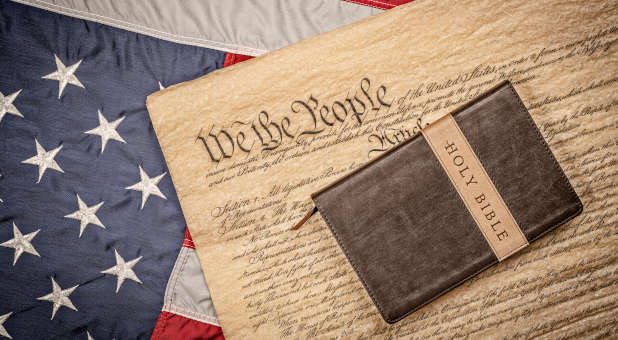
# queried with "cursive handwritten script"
point(263, 133)
point(269, 282)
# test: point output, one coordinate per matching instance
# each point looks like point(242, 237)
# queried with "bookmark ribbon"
point(474, 186)
point(304, 219)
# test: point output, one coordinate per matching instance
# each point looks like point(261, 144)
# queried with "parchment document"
point(246, 146)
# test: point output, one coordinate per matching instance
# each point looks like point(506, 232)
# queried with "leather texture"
point(406, 231)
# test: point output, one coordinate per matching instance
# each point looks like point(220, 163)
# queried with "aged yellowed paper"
point(247, 145)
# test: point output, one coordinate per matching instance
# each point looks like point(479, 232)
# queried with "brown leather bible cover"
point(405, 229)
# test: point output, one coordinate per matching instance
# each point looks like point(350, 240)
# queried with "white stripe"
point(187, 293)
point(250, 27)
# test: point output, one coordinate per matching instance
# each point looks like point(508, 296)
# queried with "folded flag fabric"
point(90, 226)
point(248, 27)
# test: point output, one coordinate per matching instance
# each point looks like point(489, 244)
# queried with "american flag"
point(90, 225)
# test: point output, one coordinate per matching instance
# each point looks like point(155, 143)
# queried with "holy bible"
point(473, 188)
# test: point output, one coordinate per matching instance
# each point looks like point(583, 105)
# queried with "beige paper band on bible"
point(475, 188)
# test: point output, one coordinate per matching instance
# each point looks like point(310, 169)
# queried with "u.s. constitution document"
point(247, 145)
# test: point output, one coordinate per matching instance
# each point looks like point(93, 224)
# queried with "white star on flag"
point(64, 75)
point(148, 186)
point(3, 331)
point(44, 159)
point(59, 297)
point(6, 105)
point(21, 243)
point(107, 130)
point(124, 270)
point(86, 215)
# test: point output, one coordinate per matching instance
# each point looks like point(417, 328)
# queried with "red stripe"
point(188, 241)
point(233, 58)
point(381, 4)
point(172, 326)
